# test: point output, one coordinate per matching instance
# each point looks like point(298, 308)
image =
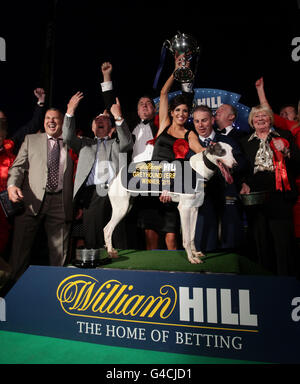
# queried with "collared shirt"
point(106, 86)
point(142, 132)
point(225, 131)
point(62, 159)
point(103, 171)
point(264, 155)
point(211, 136)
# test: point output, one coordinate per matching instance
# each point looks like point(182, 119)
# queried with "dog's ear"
point(211, 148)
point(216, 149)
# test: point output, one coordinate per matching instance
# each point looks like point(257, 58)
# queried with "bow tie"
point(147, 121)
point(222, 131)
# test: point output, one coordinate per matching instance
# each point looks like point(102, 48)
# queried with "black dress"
point(162, 217)
point(163, 148)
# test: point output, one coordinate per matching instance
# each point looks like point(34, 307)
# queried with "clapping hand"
point(73, 103)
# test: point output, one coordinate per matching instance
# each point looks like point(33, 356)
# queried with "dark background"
point(61, 49)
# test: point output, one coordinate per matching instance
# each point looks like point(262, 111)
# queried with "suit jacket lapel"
point(90, 155)
point(153, 128)
point(43, 149)
point(108, 147)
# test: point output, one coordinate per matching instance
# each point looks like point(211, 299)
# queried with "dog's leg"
point(193, 221)
point(120, 202)
point(185, 208)
point(196, 203)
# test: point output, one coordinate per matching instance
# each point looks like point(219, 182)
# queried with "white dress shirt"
point(142, 132)
point(227, 130)
point(141, 150)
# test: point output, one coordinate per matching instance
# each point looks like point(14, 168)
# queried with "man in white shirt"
point(98, 163)
point(145, 130)
point(143, 133)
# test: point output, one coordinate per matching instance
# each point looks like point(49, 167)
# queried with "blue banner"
point(237, 317)
point(213, 98)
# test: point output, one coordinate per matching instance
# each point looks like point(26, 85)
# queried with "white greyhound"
point(218, 155)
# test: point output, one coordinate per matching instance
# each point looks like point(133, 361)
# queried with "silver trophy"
point(183, 43)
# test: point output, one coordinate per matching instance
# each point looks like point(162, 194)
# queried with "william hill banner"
point(213, 98)
point(154, 177)
point(237, 317)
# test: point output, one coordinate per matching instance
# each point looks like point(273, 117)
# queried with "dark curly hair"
point(179, 100)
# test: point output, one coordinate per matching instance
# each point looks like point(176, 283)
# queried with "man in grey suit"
point(100, 159)
point(41, 177)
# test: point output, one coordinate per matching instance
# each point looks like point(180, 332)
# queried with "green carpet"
point(20, 348)
point(161, 260)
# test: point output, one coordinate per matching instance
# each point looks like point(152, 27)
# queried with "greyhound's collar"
point(210, 165)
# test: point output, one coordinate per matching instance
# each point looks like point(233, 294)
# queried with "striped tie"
point(207, 142)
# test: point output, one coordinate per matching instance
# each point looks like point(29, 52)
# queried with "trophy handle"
point(167, 44)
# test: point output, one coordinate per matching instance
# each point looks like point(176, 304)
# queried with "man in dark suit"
point(98, 163)
point(225, 117)
point(41, 177)
point(219, 223)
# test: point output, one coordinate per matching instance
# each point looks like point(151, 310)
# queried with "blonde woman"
point(272, 156)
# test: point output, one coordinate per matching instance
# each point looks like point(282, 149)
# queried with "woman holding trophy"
point(173, 141)
point(172, 124)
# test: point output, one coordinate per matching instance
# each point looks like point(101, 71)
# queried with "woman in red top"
point(289, 125)
point(294, 127)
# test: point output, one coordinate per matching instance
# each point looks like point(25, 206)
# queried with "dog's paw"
point(198, 254)
point(113, 254)
point(195, 260)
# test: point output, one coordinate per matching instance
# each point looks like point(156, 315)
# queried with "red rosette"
point(152, 141)
point(8, 144)
point(180, 148)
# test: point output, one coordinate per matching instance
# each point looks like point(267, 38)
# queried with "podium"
point(225, 315)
